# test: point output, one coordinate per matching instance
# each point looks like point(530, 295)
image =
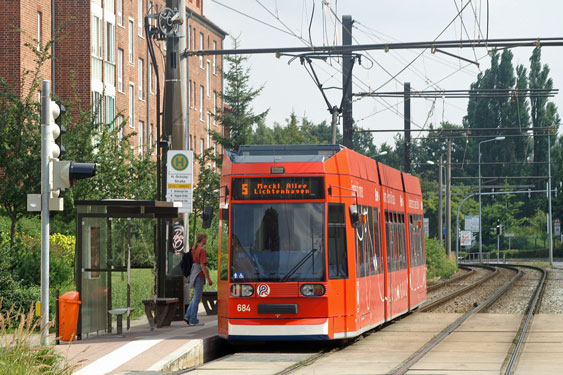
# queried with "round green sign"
point(180, 162)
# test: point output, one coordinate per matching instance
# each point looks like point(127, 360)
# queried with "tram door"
point(339, 289)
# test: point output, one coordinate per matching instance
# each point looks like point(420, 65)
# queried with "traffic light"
point(64, 172)
point(207, 217)
point(53, 133)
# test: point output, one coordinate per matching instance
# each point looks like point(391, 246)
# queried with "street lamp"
point(499, 138)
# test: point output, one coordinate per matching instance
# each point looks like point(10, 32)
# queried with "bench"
point(160, 311)
point(119, 314)
point(209, 300)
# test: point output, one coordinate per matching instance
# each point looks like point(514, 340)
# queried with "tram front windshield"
point(277, 242)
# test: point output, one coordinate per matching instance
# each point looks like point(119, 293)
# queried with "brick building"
point(101, 60)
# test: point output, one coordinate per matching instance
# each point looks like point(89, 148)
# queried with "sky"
point(288, 87)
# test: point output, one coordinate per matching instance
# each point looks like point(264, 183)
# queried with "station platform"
point(140, 350)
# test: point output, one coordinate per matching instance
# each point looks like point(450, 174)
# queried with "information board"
point(179, 179)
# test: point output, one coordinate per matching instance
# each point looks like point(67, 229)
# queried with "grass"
point(18, 354)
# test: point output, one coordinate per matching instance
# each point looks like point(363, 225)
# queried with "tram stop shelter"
point(119, 262)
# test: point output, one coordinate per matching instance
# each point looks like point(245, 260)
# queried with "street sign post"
point(179, 179)
point(472, 223)
point(557, 227)
point(465, 237)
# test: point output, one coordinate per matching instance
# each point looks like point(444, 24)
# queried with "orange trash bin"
point(68, 315)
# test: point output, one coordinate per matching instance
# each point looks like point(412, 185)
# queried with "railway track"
point(299, 361)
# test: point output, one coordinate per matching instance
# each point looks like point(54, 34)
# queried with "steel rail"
point(405, 366)
point(440, 301)
point(532, 309)
point(470, 270)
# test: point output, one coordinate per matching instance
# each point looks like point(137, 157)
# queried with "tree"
point(239, 119)
point(543, 113)
point(206, 192)
point(20, 139)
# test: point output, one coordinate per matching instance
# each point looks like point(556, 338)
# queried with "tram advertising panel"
point(278, 188)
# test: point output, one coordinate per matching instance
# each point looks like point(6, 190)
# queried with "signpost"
point(557, 227)
point(472, 223)
point(465, 238)
point(179, 179)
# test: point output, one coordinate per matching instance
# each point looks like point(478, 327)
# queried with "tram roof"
point(290, 153)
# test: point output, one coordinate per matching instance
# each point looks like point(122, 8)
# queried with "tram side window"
point(370, 244)
point(337, 258)
point(377, 242)
point(402, 242)
point(389, 241)
point(413, 248)
point(359, 234)
point(422, 255)
point(395, 242)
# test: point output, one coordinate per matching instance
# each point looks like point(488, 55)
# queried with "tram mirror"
point(355, 217)
point(207, 217)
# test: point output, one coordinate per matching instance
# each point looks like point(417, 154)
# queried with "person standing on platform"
point(198, 275)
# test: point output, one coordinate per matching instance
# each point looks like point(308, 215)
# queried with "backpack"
point(186, 263)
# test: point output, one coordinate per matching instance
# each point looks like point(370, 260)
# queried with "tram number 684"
point(241, 307)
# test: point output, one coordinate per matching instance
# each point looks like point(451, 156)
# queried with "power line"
point(461, 130)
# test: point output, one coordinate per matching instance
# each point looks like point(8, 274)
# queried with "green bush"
point(438, 264)
point(26, 259)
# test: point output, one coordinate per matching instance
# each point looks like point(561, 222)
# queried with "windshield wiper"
point(299, 264)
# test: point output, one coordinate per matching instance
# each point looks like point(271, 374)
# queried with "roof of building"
point(205, 21)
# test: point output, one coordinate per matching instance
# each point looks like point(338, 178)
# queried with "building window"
point(201, 103)
point(131, 105)
point(194, 94)
point(208, 77)
point(120, 12)
point(120, 70)
point(140, 137)
point(190, 93)
point(131, 40)
point(151, 137)
point(39, 31)
point(201, 146)
point(110, 42)
point(151, 86)
point(97, 106)
point(110, 111)
point(189, 36)
point(215, 108)
point(214, 58)
point(109, 66)
point(208, 128)
point(140, 78)
point(201, 47)
point(97, 49)
point(120, 127)
point(140, 18)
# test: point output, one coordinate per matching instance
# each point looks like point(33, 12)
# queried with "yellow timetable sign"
point(179, 186)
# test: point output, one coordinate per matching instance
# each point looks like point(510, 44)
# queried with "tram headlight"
point(312, 290)
point(242, 290)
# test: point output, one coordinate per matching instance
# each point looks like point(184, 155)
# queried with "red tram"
point(316, 242)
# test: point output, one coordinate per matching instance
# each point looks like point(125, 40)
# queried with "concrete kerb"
point(191, 354)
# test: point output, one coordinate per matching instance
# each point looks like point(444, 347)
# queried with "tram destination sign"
point(278, 188)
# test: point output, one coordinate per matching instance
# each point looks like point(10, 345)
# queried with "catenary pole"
point(407, 110)
point(440, 188)
point(347, 63)
point(449, 200)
